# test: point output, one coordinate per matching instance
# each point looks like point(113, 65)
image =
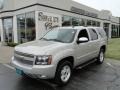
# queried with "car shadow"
point(26, 83)
point(79, 75)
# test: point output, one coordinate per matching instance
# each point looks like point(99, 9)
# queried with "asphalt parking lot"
point(92, 77)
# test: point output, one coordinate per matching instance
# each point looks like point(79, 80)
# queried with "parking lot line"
point(109, 64)
point(6, 65)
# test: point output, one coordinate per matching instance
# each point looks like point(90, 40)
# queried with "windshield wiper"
point(44, 39)
point(55, 40)
point(52, 40)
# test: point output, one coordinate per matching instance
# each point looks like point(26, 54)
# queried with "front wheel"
point(101, 57)
point(63, 73)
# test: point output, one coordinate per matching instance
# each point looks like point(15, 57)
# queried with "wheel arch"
point(68, 58)
point(103, 47)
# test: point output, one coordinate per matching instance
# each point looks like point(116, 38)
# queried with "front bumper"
point(36, 71)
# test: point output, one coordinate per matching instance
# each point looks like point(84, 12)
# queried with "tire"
point(101, 56)
point(63, 73)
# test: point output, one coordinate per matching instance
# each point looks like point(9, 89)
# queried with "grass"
point(113, 49)
point(12, 44)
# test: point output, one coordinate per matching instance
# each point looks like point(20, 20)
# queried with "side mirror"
point(82, 40)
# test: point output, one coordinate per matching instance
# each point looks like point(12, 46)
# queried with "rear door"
point(94, 43)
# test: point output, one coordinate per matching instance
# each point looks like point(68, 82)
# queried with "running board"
point(86, 64)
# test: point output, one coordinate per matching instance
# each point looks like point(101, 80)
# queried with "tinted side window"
point(102, 33)
point(83, 33)
point(93, 34)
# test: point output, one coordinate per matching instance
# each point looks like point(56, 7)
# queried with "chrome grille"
point(22, 61)
point(24, 58)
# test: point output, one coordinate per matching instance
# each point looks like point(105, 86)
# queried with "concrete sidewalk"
point(6, 54)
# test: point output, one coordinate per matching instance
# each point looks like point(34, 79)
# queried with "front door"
point(8, 29)
point(83, 49)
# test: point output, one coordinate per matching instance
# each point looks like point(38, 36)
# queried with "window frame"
point(101, 32)
point(87, 33)
point(91, 36)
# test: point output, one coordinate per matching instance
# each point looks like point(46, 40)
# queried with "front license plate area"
point(18, 71)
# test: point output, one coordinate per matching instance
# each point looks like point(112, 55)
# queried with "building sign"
point(48, 21)
point(83, 12)
point(1, 4)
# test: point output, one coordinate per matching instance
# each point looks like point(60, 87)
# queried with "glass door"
point(8, 29)
point(106, 28)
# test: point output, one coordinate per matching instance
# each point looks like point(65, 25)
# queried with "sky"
point(111, 5)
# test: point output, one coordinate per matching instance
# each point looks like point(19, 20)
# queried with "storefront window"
point(21, 28)
point(115, 31)
point(30, 26)
point(119, 30)
point(66, 21)
point(98, 24)
point(75, 21)
point(26, 27)
point(89, 22)
point(106, 28)
point(82, 22)
point(8, 29)
point(94, 23)
point(116, 34)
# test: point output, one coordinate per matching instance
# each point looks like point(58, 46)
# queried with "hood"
point(39, 47)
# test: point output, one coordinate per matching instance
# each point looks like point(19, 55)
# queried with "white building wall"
point(1, 31)
point(84, 7)
point(62, 4)
point(8, 5)
point(0, 27)
point(15, 29)
point(105, 14)
point(37, 26)
point(110, 30)
point(114, 19)
point(23, 3)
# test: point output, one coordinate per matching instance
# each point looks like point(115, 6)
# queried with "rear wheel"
point(63, 73)
point(101, 57)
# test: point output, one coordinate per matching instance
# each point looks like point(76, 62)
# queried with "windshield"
point(60, 35)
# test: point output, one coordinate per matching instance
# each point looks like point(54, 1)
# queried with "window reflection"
point(26, 27)
point(21, 28)
point(94, 23)
point(66, 21)
point(115, 31)
point(106, 28)
point(82, 22)
point(98, 24)
point(30, 26)
point(75, 21)
point(8, 29)
point(89, 23)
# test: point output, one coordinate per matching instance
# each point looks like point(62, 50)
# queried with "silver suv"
point(58, 52)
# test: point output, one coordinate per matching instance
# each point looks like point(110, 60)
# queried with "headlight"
point(43, 60)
